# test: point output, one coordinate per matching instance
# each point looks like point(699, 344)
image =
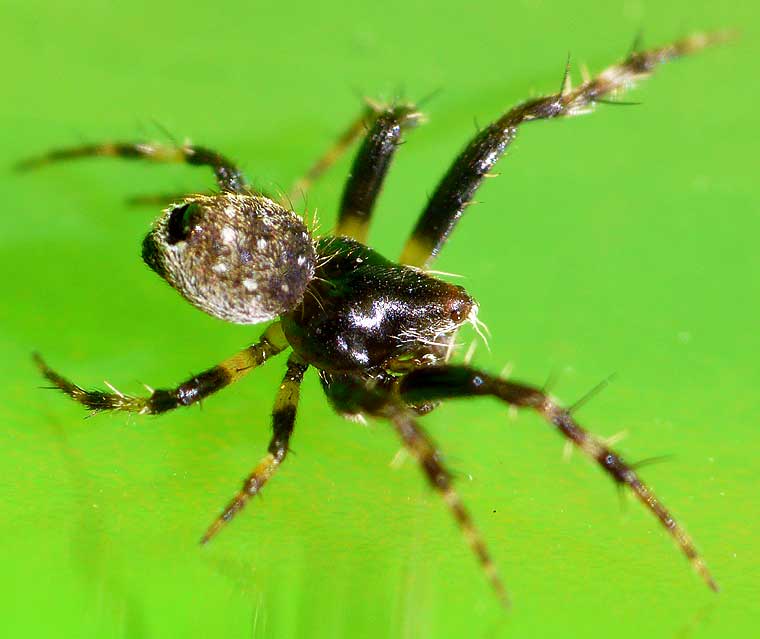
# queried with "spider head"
point(241, 258)
point(448, 307)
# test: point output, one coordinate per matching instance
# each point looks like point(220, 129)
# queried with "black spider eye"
point(181, 222)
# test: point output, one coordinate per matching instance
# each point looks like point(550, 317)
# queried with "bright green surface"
point(624, 241)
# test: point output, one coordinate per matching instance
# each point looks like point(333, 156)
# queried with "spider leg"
point(189, 392)
point(353, 396)
point(283, 419)
point(370, 168)
point(445, 382)
point(457, 188)
point(352, 133)
point(228, 176)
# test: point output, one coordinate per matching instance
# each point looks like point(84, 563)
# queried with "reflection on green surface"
point(624, 241)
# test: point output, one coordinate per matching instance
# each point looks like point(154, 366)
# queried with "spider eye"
point(180, 222)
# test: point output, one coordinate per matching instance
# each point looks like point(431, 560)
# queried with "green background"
point(625, 241)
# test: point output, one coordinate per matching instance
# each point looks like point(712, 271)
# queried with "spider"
point(379, 333)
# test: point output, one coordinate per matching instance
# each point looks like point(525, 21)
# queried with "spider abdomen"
point(348, 322)
point(239, 257)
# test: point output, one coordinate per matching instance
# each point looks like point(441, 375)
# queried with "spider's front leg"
point(228, 176)
point(283, 420)
point(370, 168)
point(446, 382)
point(351, 395)
point(457, 189)
point(189, 392)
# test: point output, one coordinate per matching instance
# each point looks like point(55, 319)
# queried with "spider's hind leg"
point(189, 392)
point(228, 176)
point(446, 382)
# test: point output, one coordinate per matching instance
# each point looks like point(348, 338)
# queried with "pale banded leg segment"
point(283, 420)
point(228, 176)
point(189, 392)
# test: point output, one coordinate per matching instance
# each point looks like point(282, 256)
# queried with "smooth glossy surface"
point(361, 312)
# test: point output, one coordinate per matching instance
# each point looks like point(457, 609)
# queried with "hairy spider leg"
point(189, 392)
point(362, 124)
point(370, 168)
point(456, 190)
point(352, 133)
point(421, 446)
point(447, 382)
point(283, 420)
point(228, 176)
point(353, 395)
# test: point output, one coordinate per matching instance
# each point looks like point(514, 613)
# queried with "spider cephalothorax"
point(349, 323)
point(380, 333)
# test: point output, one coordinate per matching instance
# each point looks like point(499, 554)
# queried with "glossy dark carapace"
point(348, 323)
